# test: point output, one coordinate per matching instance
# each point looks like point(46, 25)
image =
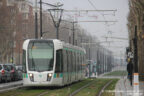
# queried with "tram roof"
point(64, 44)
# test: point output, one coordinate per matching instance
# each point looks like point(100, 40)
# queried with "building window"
point(23, 7)
point(10, 2)
point(1, 3)
point(25, 15)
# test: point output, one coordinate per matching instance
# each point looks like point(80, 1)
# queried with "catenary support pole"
point(41, 18)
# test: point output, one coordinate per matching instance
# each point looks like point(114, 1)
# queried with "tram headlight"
point(31, 76)
point(49, 75)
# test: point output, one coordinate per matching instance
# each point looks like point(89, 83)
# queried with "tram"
point(52, 63)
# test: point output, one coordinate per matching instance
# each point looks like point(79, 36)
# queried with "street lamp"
point(56, 24)
point(58, 5)
point(36, 22)
point(56, 18)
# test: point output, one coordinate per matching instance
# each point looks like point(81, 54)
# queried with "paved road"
point(10, 85)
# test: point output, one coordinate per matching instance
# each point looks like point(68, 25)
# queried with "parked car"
point(5, 73)
point(0, 74)
point(19, 72)
point(12, 71)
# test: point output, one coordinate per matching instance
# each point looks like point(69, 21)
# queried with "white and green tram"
point(52, 63)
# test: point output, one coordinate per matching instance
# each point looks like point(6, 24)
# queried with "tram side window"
point(67, 61)
point(71, 66)
point(64, 61)
point(77, 62)
point(80, 62)
point(83, 62)
point(59, 61)
point(72, 62)
point(24, 62)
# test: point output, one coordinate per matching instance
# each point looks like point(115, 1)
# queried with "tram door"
point(64, 67)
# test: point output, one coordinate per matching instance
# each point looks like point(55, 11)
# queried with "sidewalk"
point(123, 88)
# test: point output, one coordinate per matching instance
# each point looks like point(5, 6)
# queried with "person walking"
point(130, 70)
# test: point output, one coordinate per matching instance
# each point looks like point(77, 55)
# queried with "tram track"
point(103, 88)
point(100, 92)
point(78, 90)
point(71, 94)
point(71, 90)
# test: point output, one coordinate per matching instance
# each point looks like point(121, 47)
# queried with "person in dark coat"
point(130, 70)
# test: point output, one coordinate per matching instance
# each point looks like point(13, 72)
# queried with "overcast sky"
point(118, 29)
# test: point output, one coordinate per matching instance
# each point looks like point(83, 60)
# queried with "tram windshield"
point(40, 56)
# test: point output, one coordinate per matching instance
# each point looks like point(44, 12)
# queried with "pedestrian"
point(130, 70)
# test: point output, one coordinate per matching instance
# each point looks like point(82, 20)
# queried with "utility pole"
point(73, 29)
point(98, 61)
point(41, 19)
point(103, 59)
point(135, 52)
point(36, 23)
point(89, 49)
point(136, 74)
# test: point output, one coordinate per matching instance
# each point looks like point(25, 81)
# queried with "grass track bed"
point(117, 73)
point(65, 91)
point(91, 90)
point(94, 88)
point(111, 87)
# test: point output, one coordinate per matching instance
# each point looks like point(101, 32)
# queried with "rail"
point(106, 85)
point(78, 90)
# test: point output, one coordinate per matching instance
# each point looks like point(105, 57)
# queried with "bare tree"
point(136, 18)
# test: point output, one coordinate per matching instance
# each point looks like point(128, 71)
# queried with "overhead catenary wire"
point(92, 4)
point(96, 9)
